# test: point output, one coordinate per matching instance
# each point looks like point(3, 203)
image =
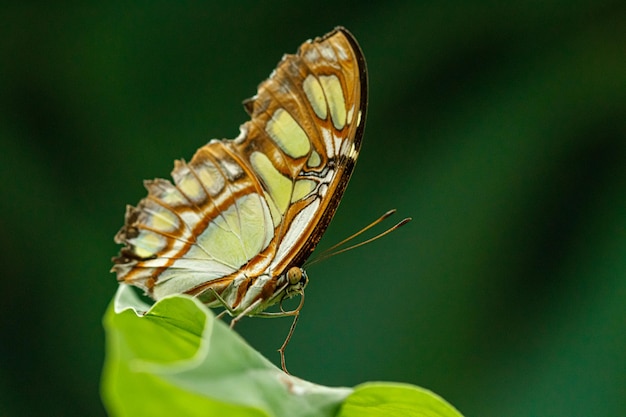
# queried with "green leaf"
point(174, 358)
point(386, 399)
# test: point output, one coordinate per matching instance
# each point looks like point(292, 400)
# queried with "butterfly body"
point(241, 218)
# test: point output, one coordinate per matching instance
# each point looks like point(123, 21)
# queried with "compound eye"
point(294, 275)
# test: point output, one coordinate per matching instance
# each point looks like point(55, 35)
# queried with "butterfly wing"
point(309, 116)
point(258, 204)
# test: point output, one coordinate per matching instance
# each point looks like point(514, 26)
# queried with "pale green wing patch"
point(233, 238)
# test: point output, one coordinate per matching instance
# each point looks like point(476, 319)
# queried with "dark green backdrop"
point(500, 128)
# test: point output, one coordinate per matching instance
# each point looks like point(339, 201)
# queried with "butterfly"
point(241, 218)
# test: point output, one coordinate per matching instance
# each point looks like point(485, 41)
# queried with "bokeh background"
point(499, 127)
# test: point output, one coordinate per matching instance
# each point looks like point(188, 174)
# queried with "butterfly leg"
point(281, 351)
point(296, 316)
point(227, 308)
point(244, 313)
point(282, 313)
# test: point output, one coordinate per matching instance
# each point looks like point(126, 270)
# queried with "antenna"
point(329, 252)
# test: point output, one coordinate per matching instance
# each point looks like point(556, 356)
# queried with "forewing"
point(304, 138)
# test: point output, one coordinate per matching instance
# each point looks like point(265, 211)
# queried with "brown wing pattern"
point(336, 142)
point(258, 204)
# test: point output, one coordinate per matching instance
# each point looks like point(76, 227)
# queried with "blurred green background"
point(500, 128)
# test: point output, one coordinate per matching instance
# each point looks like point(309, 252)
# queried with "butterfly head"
point(297, 280)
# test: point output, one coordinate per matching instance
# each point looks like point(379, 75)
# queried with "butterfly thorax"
point(252, 296)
